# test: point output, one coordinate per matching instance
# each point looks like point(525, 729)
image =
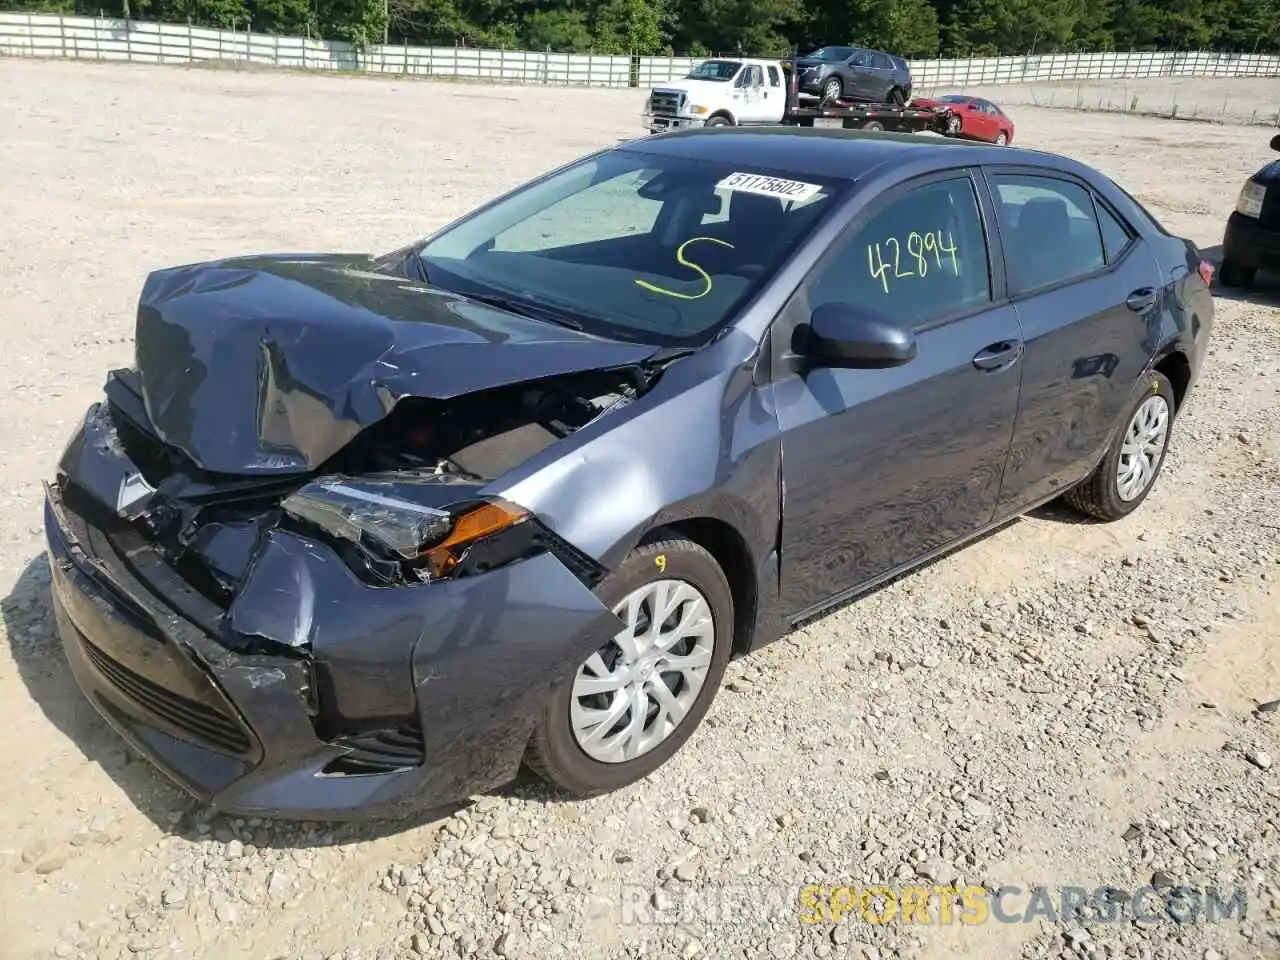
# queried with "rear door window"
point(1051, 233)
point(775, 77)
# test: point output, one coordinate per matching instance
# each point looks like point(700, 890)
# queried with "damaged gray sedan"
point(358, 535)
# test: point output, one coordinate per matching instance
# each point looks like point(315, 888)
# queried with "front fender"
point(704, 443)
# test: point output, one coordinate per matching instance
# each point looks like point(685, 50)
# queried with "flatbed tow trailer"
point(868, 116)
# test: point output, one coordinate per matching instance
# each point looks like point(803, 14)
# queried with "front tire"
point(897, 97)
point(1002, 139)
point(719, 121)
point(634, 702)
point(1128, 471)
point(1232, 274)
point(832, 90)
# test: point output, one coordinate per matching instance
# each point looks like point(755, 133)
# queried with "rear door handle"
point(998, 355)
point(1142, 300)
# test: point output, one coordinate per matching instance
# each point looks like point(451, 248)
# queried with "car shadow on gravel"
point(1265, 291)
point(37, 654)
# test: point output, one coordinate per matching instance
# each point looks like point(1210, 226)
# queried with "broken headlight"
point(387, 519)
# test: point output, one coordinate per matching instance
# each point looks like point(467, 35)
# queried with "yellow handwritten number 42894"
point(918, 244)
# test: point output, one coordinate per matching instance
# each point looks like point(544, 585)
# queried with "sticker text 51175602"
point(895, 259)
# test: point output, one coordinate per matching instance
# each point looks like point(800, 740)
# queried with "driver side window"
point(920, 257)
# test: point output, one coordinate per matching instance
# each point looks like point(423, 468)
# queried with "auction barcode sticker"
point(769, 186)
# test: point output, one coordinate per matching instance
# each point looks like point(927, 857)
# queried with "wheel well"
point(1178, 369)
point(730, 551)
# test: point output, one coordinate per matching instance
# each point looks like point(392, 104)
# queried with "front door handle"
point(998, 355)
point(1140, 301)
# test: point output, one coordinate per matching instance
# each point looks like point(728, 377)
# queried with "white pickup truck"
point(720, 93)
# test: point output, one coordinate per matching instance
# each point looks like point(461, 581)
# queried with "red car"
point(972, 118)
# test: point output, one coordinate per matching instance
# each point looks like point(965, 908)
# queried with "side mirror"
point(840, 335)
point(1275, 142)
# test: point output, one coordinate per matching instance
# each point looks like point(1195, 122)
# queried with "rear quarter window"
point(1116, 237)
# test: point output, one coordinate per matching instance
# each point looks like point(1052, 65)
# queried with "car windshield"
point(714, 70)
point(831, 54)
point(631, 245)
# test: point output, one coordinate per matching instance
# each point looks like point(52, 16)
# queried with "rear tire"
point(872, 125)
point(1113, 491)
point(832, 90)
point(1232, 274)
point(556, 751)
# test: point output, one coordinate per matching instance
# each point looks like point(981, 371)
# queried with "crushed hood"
point(271, 365)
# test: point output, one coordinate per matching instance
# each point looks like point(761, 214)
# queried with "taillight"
point(1206, 273)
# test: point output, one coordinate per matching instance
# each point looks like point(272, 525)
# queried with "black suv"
point(854, 73)
point(1252, 240)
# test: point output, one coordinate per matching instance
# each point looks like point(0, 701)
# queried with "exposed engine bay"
point(483, 435)
point(210, 527)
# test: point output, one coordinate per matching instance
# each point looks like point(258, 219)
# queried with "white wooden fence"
point(44, 35)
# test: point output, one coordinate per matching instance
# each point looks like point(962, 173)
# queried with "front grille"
point(664, 104)
point(1270, 216)
point(380, 751)
point(200, 720)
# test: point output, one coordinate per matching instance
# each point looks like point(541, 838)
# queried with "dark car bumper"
point(240, 730)
point(811, 81)
point(1251, 244)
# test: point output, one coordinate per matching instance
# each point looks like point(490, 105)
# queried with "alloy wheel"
point(1143, 447)
point(633, 692)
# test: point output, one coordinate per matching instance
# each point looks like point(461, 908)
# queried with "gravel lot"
point(1060, 704)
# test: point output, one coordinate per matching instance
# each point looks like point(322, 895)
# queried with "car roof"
point(832, 153)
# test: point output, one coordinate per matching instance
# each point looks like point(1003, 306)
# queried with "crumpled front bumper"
point(475, 659)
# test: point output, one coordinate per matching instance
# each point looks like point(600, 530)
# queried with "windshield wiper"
point(524, 308)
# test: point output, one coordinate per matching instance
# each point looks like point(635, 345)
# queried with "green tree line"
point(911, 28)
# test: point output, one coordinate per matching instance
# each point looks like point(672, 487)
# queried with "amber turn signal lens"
point(476, 524)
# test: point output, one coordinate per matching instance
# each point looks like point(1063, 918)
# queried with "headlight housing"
point(392, 524)
point(1249, 203)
